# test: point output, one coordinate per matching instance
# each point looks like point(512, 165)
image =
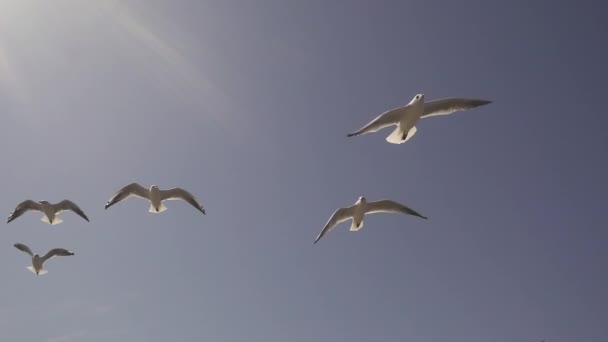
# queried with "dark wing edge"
point(392, 206)
point(57, 252)
point(336, 217)
point(126, 191)
point(180, 193)
point(381, 121)
point(22, 208)
point(69, 205)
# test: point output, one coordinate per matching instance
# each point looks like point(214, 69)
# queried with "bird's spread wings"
point(69, 205)
point(450, 105)
point(388, 206)
point(56, 252)
point(132, 189)
point(388, 118)
point(340, 215)
point(24, 248)
point(22, 208)
point(181, 194)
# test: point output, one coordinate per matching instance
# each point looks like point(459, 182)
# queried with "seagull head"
point(361, 199)
point(155, 187)
point(418, 98)
point(44, 202)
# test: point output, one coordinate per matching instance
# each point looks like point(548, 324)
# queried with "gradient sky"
point(247, 104)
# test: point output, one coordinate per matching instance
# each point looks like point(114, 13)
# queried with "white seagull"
point(155, 196)
point(406, 117)
point(50, 211)
point(357, 211)
point(38, 261)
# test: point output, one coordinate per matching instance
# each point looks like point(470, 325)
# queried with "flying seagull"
point(155, 196)
point(405, 118)
point(357, 211)
point(37, 260)
point(50, 211)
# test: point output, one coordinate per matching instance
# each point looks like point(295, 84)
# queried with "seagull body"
point(357, 212)
point(405, 118)
point(38, 261)
point(50, 211)
point(156, 197)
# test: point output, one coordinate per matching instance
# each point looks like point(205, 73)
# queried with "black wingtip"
point(350, 135)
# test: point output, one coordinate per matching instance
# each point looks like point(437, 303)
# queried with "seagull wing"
point(56, 252)
point(22, 208)
point(388, 118)
point(450, 105)
point(24, 248)
point(340, 215)
point(181, 194)
point(132, 189)
point(388, 206)
point(71, 206)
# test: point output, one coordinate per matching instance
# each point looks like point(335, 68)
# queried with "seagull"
point(49, 210)
point(406, 117)
point(357, 211)
point(37, 260)
point(155, 196)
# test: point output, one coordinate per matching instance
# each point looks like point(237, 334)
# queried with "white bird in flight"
point(50, 211)
point(38, 261)
point(406, 117)
point(155, 196)
point(357, 211)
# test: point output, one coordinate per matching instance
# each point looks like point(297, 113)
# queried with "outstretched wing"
point(22, 208)
point(56, 252)
point(450, 105)
point(69, 205)
point(340, 215)
point(181, 194)
point(132, 189)
point(24, 248)
point(388, 206)
point(388, 118)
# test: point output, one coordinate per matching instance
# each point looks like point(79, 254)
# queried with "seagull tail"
point(354, 227)
point(56, 220)
point(161, 208)
point(40, 272)
point(399, 136)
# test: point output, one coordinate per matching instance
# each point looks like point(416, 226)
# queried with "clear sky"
point(247, 104)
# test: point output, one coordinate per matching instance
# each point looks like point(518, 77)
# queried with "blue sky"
point(247, 104)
